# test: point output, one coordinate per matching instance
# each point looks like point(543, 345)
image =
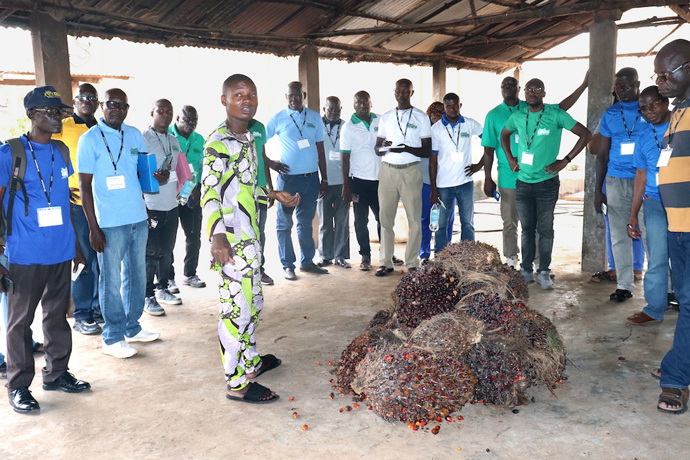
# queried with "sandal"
point(383, 270)
point(598, 277)
point(256, 394)
point(621, 295)
point(656, 373)
point(673, 397)
point(268, 363)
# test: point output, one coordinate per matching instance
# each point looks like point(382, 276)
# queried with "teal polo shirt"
point(259, 132)
point(493, 125)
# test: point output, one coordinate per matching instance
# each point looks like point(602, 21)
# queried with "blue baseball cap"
point(43, 96)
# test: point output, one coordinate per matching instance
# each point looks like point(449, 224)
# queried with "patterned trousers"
point(241, 301)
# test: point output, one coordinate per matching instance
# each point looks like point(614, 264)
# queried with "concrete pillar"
point(51, 54)
point(602, 65)
point(309, 76)
point(439, 80)
point(517, 74)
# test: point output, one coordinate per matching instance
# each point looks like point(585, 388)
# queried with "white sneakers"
point(119, 349)
point(144, 336)
point(123, 349)
point(512, 262)
point(544, 280)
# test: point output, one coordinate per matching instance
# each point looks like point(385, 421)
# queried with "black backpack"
point(17, 180)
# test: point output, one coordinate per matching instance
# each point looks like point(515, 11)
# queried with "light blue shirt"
point(647, 155)
point(115, 207)
point(613, 127)
point(292, 127)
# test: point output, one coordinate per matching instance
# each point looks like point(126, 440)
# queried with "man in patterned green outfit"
point(231, 199)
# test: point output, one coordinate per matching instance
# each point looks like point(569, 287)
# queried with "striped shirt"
point(674, 179)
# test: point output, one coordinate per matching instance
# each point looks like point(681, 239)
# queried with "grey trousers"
point(334, 225)
point(619, 196)
point(396, 183)
point(49, 284)
point(509, 215)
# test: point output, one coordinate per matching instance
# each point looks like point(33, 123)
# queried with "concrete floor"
point(168, 401)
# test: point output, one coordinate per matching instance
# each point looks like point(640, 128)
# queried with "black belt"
point(301, 175)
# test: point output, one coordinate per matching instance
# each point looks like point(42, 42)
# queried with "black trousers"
point(50, 285)
point(365, 196)
point(190, 220)
point(159, 249)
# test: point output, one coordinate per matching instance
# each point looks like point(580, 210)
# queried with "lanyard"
point(122, 143)
point(625, 125)
point(38, 170)
point(303, 123)
point(407, 125)
point(455, 141)
point(329, 132)
point(672, 132)
point(534, 133)
point(656, 139)
point(169, 151)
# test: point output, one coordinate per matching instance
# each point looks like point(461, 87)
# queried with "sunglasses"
point(117, 105)
point(53, 111)
point(87, 97)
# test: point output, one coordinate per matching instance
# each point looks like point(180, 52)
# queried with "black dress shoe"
point(22, 401)
point(313, 269)
point(67, 383)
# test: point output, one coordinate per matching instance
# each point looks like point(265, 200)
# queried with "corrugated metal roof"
point(491, 35)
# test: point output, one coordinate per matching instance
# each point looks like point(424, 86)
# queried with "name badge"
point(303, 143)
point(527, 158)
point(173, 176)
point(457, 157)
point(116, 182)
point(627, 148)
point(664, 157)
point(49, 217)
point(517, 138)
point(334, 155)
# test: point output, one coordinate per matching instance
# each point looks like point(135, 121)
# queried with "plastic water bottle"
point(435, 215)
point(183, 196)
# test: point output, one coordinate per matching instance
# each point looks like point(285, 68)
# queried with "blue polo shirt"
point(292, 126)
point(124, 206)
point(30, 244)
point(612, 126)
point(646, 156)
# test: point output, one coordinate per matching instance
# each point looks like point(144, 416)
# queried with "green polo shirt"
point(258, 130)
point(493, 125)
point(193, 148)
point(544, 137)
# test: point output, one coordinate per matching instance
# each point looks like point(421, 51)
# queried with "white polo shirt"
point(407, 127)
point(358, 138)
point(453, 145)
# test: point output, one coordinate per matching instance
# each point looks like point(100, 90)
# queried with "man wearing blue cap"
point(40, 248)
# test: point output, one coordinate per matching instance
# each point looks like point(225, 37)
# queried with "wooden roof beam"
point(682, 11)
point(549, 11)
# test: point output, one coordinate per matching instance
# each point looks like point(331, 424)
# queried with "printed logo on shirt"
point(134, 151)
point(311, 125)
point(376, 128)
point(543, 132)
point(412, 125)
point(257, 134)
point(464, 134)
point(64, 173)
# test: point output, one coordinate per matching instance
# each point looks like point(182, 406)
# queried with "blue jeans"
point(675, 367)
point(535, 204)
point(425, 249)
point(308, 188)
point(3, 300)
point(85, 287)
point(638, 247)
point(123, 265)
point(464, 195)
point(654, 232)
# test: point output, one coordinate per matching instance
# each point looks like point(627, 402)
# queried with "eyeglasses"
point(87, 97)
point(650, 106)
point(534, 90)
point(189, 121)
point(52, 111)
point(664, 75)
point(117, 105)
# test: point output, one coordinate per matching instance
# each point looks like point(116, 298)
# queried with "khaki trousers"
point(400, 182)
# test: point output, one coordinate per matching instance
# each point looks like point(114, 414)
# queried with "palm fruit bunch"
point(350, 358)
point(499, 373)
point(425, 293)
point(451, 333)
point(497, 312)
point(473, 255)
point(408, 384)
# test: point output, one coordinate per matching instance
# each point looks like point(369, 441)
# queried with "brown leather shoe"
point(641, 318)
